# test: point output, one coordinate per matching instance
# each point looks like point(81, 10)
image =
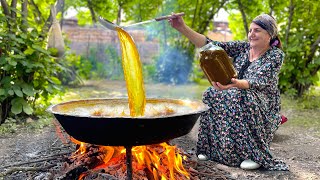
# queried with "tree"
point(88, 10)
point(300, 35)
point(241, 14)
point(27, 71)
point(301, 45)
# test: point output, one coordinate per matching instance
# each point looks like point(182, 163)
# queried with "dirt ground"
point(297, 146)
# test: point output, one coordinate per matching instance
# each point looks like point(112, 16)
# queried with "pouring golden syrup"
point(132, 69)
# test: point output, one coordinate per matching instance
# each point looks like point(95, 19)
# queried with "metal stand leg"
point(129, 162)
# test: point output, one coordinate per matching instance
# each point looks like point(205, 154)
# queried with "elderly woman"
point(243, 116)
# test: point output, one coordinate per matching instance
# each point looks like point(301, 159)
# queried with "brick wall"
point(83, 38)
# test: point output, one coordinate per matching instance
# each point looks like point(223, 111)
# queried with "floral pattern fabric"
point(240, 123)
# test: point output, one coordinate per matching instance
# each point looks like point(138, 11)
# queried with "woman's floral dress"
point(240, 123)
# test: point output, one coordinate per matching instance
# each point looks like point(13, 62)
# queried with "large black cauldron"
point(126, 130)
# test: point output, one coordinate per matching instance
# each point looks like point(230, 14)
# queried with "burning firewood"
point(149, 162)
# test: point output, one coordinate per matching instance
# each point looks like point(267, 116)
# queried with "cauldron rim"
point(128, 131)
point(199, 110)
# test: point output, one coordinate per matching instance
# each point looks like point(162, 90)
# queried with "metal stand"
point(129, 162)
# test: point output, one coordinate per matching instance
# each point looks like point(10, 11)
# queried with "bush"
point(28, 72)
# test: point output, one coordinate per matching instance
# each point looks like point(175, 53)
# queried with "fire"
point(82, 148)
point(161, 160)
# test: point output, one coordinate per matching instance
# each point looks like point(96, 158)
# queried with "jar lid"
point(210, 46)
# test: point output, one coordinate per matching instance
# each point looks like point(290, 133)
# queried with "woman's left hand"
point(238, 83)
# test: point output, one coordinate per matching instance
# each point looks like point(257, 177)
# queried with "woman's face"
point(258, 37)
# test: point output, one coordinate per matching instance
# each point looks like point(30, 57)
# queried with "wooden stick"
point(52, 157)
point(54, 142)
point(61, 148)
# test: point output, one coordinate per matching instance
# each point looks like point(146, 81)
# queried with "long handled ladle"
point(113, 26)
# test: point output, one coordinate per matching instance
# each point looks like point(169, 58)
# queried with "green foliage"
point(250, 9)
point(73, 69)
point(238, 32)
point(149, 72)
point(38, 124)
point(140, 10)
point(106, 9)
point(298, 34)
point(84, 68)
point(303, 111)
point(27, 71)
point(10, 126)
point(114, 66)
point(100, 63)
point(84, 17)
point(318, 83)
point(14, 125)
point(97, 64)
point(302, 56)
point(197, 75)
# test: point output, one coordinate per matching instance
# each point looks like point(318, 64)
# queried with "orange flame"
point(162, 160)
point(82, 148)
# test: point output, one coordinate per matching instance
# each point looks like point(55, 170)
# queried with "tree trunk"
point(4, 110)
point(24, 10)
point(13, 6)
point(93, 15)
point(194, 14)
point(313, 50)
point(39, 18)
point(244, 17)
point(1, 118)
point(5, 7)
point(119, 14)
point(291, 11)
point(301, 89)
point(271, 5)
point(62, 16)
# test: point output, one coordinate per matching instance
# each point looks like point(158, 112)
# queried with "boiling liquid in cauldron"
point(160, 109)
point(132, 70)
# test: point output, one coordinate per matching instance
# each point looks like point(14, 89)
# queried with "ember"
point(160, 161)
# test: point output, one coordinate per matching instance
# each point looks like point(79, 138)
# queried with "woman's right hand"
point(176, 22)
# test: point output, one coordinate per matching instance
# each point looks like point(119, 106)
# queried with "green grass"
point(303, 112)
point(12, 126)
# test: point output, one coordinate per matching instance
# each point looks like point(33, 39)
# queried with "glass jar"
point(216, 64)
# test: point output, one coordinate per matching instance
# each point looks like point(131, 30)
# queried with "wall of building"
point(82, 39)
point(221, 31)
